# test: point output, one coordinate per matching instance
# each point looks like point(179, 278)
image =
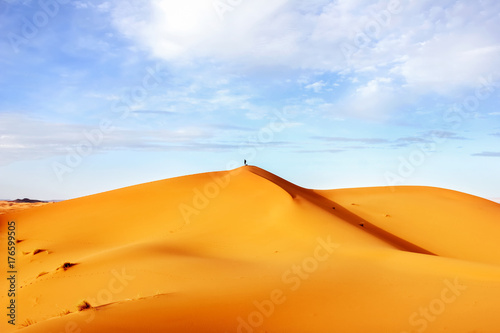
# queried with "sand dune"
point(247, 251)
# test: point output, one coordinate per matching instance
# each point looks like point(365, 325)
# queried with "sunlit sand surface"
point(247, 251)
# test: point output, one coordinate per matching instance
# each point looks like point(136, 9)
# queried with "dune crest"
point(247, 251)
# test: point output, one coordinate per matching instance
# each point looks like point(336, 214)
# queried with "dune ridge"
point(247, 251)
point(339, 211)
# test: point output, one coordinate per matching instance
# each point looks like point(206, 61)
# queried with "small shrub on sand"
point(67, 265)
point(42, 274)
point(28, 322)
point(84, 305)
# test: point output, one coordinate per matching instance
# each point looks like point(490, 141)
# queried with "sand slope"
point(246, 251)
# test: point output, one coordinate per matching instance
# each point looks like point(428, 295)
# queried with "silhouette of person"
point(245, 161)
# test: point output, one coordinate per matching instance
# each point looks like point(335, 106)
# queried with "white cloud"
point(104, 7)
point(184, 30)
point(450, 61)
point(443, 45)
point(375, 99)
point(107, 97)
point(396, 54)
point(317, 87)
point(80, 4)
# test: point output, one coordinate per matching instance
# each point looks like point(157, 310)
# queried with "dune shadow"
point(340, 211)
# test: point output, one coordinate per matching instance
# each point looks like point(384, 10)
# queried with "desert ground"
point(12, 206)
point(247, 251)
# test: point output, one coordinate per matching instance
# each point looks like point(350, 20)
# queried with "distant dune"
point(246, 251)
point(20, 204)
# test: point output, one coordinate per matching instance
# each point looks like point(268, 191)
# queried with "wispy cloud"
point(488, 154)
point(26, 138)
point(316, 86)
point(315, 151)
point(346, 139)
point(155, 112)
point(444, 135)
point(420, 138)
point(413, 139)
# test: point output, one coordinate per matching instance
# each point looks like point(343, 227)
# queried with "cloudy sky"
point(97, 95)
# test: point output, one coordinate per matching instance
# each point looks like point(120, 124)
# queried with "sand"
point(12, 206)
point(247, 251)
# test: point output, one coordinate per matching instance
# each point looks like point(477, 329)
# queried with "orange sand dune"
point(247, 251)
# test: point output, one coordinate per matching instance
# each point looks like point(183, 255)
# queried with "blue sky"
point(97, 95)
